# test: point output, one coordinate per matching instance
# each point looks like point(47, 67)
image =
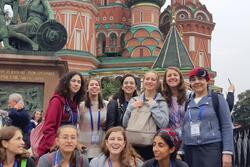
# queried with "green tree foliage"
point(242, 109)
point(110, 87)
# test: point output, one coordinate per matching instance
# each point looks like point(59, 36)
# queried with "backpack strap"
point(187, 101)
point(216, 106)
point(23, 162)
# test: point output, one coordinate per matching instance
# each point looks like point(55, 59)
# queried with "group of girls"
point(116, 151)
point(206, 139)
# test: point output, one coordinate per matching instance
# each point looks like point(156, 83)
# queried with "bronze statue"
point(3, 28)
point(38, 30)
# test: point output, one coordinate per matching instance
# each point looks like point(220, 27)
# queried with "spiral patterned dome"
point(157, 2)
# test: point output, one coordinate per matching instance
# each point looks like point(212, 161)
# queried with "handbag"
point(141, 126)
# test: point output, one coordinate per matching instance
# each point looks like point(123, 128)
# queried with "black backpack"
point(215, 102)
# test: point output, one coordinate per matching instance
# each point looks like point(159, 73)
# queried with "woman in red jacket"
point(62, 109)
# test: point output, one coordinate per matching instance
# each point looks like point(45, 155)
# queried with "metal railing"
point(242, 147)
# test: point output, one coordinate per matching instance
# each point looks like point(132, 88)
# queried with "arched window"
point(113, 40)
point(101, 43)
point(123, 41)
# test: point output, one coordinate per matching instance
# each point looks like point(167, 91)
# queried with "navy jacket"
point(20, 118)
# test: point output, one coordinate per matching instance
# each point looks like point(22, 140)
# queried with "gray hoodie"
point(47, 160)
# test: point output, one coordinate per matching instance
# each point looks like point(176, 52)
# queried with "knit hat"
point(172, 135)
point(199, 72)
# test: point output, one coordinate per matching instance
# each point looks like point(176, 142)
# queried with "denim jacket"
point(210, 129)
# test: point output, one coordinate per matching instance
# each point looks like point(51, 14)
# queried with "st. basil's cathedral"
point(113, 37)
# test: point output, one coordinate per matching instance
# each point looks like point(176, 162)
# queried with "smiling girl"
point(207, 134)
point(154, 101)
point(174, 91)
point(12, 152)
point(116, 151)
point(118, 105)
point(62, 109)
point(165, 146)
point(92, 118)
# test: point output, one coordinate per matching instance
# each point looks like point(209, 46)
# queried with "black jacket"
point(230, 100)
point(29, 163)
point(154, 163)
point(115, 114)
point(20, 118)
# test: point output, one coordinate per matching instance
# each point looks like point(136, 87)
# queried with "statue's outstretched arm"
point(48, 9)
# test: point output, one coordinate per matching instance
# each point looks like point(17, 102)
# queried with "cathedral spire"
point(173, 52)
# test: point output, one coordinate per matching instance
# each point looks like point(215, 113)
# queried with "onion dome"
point(160, 3)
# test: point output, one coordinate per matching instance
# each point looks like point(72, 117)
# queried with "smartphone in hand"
point(229, 81)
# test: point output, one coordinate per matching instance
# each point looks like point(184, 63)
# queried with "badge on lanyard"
point(95, 137)
point(195, 129)
point(195, 126)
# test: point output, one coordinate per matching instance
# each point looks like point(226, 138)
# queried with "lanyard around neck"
point(15, 164)
point(201, 110)
point(110, 163)
point(92, 119)
point(58, 158)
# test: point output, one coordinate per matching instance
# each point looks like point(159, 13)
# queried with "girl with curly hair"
point(62, 109)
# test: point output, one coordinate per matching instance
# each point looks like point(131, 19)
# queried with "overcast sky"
point(230, 42)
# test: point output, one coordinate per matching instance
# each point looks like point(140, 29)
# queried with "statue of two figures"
point(30, 26)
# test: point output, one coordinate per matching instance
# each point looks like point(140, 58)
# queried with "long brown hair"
point(64, 84)
point(128, 155)
point(167, 93)
point(6, 134)
point(159, 87)
point(120, 93)
point(87, 98)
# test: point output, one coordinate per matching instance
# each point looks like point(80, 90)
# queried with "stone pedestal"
point(35, 75)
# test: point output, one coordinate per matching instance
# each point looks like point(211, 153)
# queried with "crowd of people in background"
point(166, 124)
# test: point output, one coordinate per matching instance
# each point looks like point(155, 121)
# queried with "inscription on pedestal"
point(24, 75)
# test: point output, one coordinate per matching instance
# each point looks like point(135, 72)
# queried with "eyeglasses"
point(68, 138)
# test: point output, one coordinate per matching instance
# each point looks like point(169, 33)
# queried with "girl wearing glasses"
point(207, 134)
point(67, 154)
